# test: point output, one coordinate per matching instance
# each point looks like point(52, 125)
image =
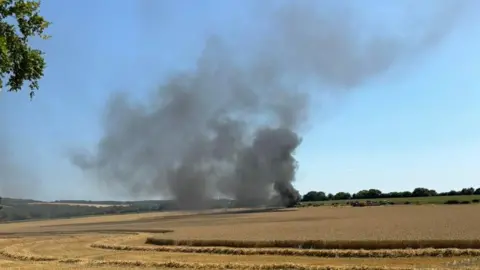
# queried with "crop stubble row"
point(21, 251)
point(321, 244)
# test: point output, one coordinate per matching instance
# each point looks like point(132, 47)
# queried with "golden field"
point(442, 237)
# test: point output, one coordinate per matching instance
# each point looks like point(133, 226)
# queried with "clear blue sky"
point(414, 127)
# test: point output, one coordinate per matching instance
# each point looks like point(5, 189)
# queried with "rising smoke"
point(231, 127)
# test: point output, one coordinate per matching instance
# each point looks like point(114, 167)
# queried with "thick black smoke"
point(231, 127)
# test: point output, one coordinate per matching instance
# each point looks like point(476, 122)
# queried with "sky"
point(416, 125)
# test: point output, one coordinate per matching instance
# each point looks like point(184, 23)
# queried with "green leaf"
point(19, 62)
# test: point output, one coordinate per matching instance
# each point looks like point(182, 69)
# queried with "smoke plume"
point(231, 127)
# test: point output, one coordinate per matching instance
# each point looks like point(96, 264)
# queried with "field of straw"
point(389, 237)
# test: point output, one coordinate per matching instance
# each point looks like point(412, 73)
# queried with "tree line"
point(377, 194)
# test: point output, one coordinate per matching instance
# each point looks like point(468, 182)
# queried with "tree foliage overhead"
point(19, 62)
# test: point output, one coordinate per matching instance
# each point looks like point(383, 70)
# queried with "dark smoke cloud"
point(231, 127)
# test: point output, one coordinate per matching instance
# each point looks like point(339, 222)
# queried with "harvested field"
point(439, 237)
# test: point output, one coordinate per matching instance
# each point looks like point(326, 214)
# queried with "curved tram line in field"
point(138, 250)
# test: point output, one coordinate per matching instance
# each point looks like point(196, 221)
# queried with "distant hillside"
point(92, 202)
point(24, 209)
point(14, 202)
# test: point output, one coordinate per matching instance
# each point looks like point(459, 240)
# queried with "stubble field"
point(442, 237)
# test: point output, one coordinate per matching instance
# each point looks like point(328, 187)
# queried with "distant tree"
point(453, 193)
point(314, 196)
point(467, 191)
point(421, 192)
point(374, 193)
point(368, 194)
point(362, 194)
point(19, 21)
point(342, 196)
point(321, 196)
point(393, 195)
point(309, 196)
